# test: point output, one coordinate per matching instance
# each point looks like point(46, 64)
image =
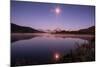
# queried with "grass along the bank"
point(82, 53)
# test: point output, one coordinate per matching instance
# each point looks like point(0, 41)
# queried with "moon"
point(57, 10)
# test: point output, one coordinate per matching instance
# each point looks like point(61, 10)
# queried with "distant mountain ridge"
point(89, 30)
point(22, 29)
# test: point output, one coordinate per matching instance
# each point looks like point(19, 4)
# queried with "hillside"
point(90, 30)
point(22, 29)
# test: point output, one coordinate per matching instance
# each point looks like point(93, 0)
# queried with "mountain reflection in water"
point(18, 37)
point(33, 49)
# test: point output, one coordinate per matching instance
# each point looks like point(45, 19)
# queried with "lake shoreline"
point(51, 34)
point(83, 36)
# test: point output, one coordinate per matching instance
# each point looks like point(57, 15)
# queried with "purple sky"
point(42, 15)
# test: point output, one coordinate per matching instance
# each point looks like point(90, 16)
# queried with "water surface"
point(43, 48)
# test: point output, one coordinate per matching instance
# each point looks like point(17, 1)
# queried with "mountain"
point(22, 29)
point(90, 30)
